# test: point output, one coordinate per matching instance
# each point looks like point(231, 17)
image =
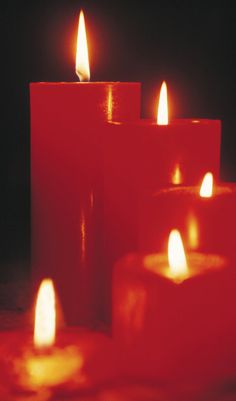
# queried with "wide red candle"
point(145, 156)
point(67, 128)
point(79, 361)
point(177, 332)
point(206, 223)
point(53, 363)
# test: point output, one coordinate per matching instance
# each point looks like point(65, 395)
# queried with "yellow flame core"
point(45, 315)
point(176, 256)
point(162, 112)
point(206, 189)
point(82, 60)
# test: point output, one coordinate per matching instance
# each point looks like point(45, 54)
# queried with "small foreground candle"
point(175, 321)
point(205, 214)
point(146, 155)
point(56, 364)
point(67, 129)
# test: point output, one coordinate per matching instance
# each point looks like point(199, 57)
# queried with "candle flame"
point(45, 315)
point(206, 189)
point(176, 255)
point(162, 112)
point(82, 60)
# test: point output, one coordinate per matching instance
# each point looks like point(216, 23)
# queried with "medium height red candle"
point(67, 128)
point(145, 155)
point(205, 214)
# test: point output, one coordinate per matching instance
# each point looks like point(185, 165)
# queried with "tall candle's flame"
point(206, 189)
point(176, 256)
point(82, 60)
point(45, 315)
point(162, 112)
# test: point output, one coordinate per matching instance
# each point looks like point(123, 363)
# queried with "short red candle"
point(145, 156)
point(67, 128)
point(175, 332)
point(207, 224)
point(51, 365)
point(79, 361)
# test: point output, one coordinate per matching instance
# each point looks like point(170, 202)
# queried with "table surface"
point(15, 313)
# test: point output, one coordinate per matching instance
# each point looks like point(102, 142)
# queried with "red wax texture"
point(67, 128)
point(144, 156)
point(182, 333)
point(206, 224)
point(97, 351)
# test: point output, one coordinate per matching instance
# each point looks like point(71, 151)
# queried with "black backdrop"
point(191, 46)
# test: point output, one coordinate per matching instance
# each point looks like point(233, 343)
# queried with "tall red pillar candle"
point(207, 223)
point(145, 156)
point(175, 327)
point(67, 127)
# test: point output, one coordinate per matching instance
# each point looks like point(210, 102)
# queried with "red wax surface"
point(67, 128)
point(176, 333)
point(99, 363)
point(206, 224)
point(143, 156)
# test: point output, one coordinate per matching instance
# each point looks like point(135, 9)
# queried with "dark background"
point(191, 46)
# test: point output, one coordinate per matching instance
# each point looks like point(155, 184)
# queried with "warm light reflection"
point(91, 199)
point(162, 112)
point(48, 370)
point(82, 60)
point(109, 104)
point(45, 315)
point(133, 307)
point(176, 255)
point(176, 177)
point(83, 235)
point(193, 232)
point(206, 189)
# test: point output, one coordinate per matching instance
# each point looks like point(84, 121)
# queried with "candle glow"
point(206, 189)
point(176, 177)
point(193, 232)
point(82, 60)
point(162, 112)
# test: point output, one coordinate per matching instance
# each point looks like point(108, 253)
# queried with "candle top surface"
point(175, 122)
point(157, 265)
point(90, 83)
point(219, 190)
point(198, 264)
